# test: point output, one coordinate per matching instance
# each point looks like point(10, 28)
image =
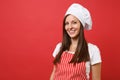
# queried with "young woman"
point(74, 57)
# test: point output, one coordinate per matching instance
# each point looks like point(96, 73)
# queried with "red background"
point(30, 30)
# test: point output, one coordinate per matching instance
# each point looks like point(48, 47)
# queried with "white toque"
point(82, 14)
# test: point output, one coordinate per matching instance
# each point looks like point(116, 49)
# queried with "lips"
point(71, 32)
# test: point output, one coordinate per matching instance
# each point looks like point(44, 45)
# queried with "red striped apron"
point(66, 71)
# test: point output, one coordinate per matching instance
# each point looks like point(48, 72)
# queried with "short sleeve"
point(94, 52)
point(57, 49)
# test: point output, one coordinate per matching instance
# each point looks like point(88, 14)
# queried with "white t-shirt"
point(94, 53)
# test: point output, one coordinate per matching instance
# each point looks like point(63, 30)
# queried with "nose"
point(70, 25)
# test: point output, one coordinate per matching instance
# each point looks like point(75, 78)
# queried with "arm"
point(96, 71)
point(52, 74)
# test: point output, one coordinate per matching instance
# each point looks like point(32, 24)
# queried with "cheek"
point(66, 28)
point(79, 30)
point(78, 27)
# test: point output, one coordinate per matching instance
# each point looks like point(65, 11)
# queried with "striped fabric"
point(66, 71)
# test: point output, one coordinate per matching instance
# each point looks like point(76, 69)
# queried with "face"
point(72, 26)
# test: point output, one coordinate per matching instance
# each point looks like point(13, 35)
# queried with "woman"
point(74, 57)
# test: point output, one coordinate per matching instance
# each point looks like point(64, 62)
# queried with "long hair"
point(81, 53)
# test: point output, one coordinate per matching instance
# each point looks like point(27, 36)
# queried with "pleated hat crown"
point(82, 14)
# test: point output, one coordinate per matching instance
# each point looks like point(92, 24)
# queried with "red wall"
point(30, 29)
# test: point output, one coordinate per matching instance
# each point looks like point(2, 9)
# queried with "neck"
point(74, 42)
point(73, 46)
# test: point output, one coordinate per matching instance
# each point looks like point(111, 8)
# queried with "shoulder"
point(59, 45)
point(57, 49)
point(92, 47)
point(94, 53)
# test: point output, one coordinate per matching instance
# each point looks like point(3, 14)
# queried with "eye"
point(74, 22)
point(66, 23)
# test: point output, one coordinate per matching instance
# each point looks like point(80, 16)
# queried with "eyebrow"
point(72, 20)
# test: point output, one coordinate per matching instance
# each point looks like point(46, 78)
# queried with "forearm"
point(52, 74)
point(96, 72)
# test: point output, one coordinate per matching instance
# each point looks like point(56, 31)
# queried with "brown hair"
point(81, 53)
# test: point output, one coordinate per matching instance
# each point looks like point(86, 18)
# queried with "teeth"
point(71, 31)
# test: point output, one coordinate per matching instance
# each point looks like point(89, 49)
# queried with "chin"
point(73, 37)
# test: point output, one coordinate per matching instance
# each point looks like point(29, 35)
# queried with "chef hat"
point(82, 14)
